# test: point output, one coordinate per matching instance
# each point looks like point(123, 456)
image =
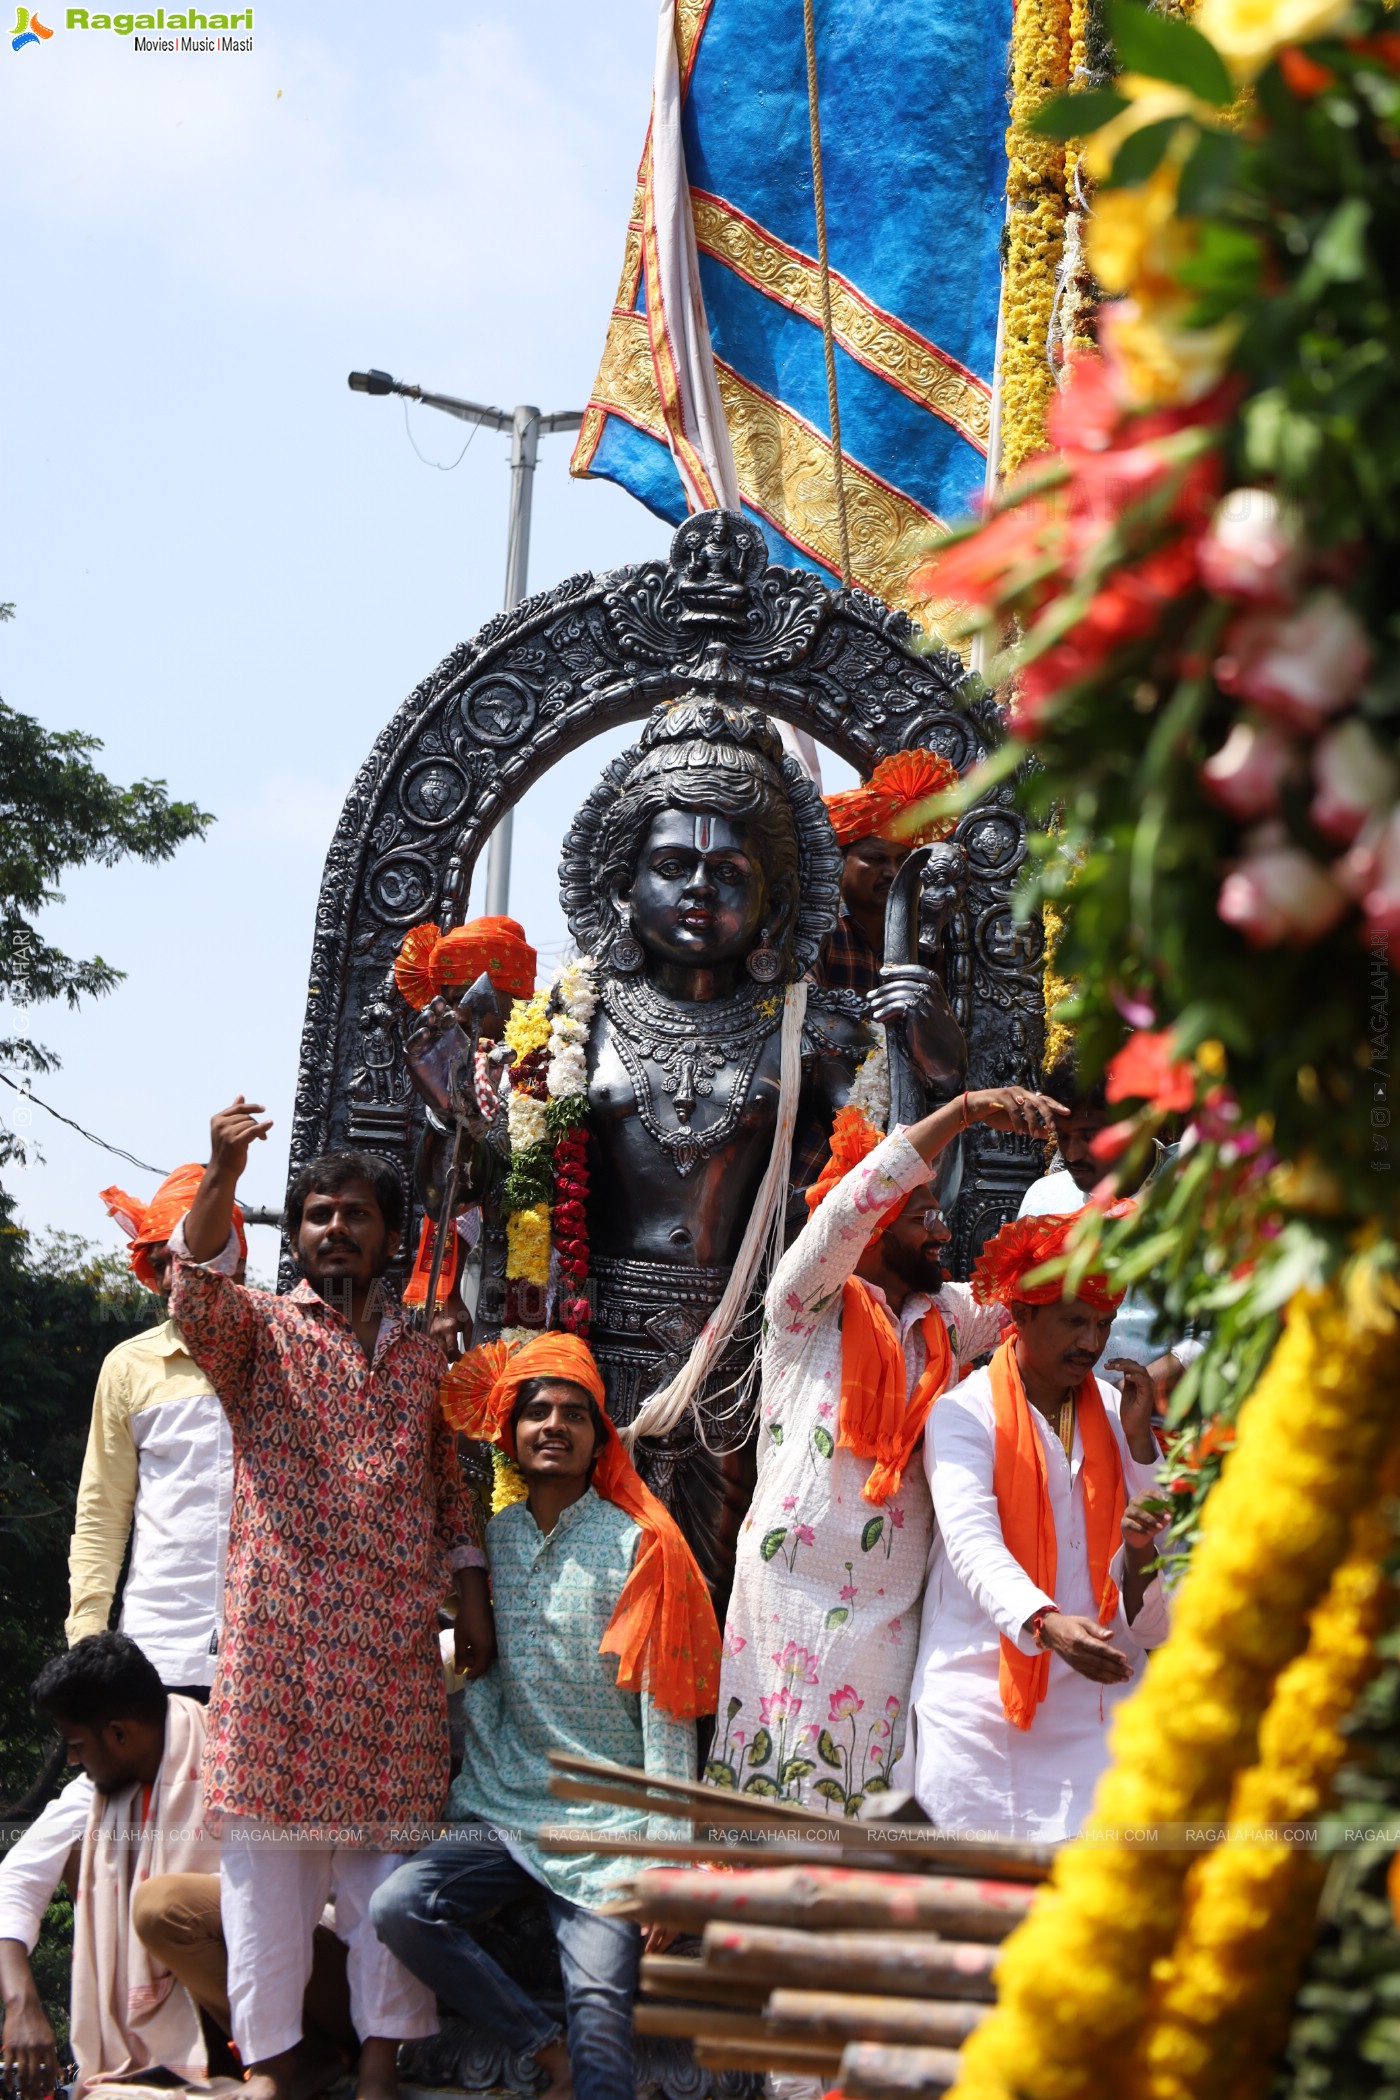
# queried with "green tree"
point(63, 1305)
point(59, 811)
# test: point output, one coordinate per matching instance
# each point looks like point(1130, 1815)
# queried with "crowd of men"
point(947, 1579)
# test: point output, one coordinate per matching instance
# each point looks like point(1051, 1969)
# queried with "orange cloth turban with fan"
point(664, 1630)
point(430, 962)
point(1022, 1245)
point(892, 804)
point(149, 1225)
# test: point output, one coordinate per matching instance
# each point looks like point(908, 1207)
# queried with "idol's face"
point(698, 896)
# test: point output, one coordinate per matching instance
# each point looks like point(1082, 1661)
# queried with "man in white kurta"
point(971, 1768)
point(820, 1639)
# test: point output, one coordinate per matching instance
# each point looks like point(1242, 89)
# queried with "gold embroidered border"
point(880, 342)
point(784, 469)
point(691, 17)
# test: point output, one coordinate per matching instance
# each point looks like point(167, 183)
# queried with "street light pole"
point(526, 426)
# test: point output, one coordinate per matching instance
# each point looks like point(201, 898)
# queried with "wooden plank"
point(829, 1899)
point(722, 2028)
point(849, 2016)
point(915, 1965)
point(872, 2071)
point(766, 1852)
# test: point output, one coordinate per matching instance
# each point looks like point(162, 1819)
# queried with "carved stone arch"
point(596, 652)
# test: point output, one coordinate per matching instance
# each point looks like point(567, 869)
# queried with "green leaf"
point(827, 1750)
point(1339, 252)
point(1208, 173)
point(822, 1440)
point(772, 1541)
point(837, 1616)
point(830, 1790)
point(854, 1803)
point(877, 1786)
point(775, 1430)
point(762, 1784)
point(720, 1774)
point(872, 1534)
point(796, 1768)
point(1140, 154)
point(761, 1748)
point(1166, 48)
point(1075, 116)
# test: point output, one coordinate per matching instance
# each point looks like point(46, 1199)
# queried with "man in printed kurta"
point(1040, 1607)
point(608, 1649)
point(862, 1331)
point(329, 1708)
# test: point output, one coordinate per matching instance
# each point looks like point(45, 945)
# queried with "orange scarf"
point(1027, 1523)
point(663, 1632)
point(876, 1421)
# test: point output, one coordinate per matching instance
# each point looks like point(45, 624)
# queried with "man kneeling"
point(607, 1647)
point(148, 1948)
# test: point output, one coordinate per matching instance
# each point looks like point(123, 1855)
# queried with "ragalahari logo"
point(28, 29)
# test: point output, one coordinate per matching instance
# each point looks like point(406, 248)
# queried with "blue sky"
point(226, 565)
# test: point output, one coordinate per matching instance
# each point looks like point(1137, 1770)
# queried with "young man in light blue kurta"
point(560, 1562)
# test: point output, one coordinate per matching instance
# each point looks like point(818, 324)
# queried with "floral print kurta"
point(329, 1705)
point(823, 1623)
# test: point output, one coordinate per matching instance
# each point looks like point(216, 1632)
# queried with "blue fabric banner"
point(913, 115)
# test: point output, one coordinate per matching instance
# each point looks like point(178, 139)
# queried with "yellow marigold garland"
point(1058, 1037)
point(1222, 2003)
point(507, 1481)
point(1035, 226)
point(527, 1244)
point(1073, 1979)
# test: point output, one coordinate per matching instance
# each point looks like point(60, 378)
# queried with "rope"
point(809, 37)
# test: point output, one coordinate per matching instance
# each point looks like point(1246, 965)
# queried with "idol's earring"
point(627, 953)
point(764, 964)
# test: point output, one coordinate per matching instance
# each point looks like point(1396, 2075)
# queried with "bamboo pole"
point(679, 1976)
point(850, 2017)
point(871, 2071)
point(707, 1806)
point(826, 1898)
point(719, 2056)
point(894, 1964)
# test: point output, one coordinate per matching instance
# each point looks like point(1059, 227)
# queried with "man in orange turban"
point(877, 827)
point(606, 1647)
point(158, 1470)
point(1039, 1610)
point(862, 1332)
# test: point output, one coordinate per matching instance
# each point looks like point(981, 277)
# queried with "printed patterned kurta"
point(329, 1705)
point(823, 1623)
point(550, 1689)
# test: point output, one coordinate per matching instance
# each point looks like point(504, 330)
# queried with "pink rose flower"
point(1355, 778)
point(1279, 893)
point(804, 1534)
point(1252, 550)
point(789, 1504)
point(897, 1519)
point(1300, 666)
point(1381, 902)
point(844, 1703)
point(848, 1590)
point(1248, 771)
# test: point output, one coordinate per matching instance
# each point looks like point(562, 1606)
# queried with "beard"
point(918, 1267)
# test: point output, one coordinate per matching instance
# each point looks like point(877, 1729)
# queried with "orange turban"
point(891, 805)
point(1021, 1246)
point(853, 1138)
point(664, 1630)
point(430, 962)
point(149, 1225)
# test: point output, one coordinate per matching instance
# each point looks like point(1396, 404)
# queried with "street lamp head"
point(371, 382)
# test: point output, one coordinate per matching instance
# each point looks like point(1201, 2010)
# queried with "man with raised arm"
point(328, 1726)
point(862, 1331)
point(1040, 1607)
